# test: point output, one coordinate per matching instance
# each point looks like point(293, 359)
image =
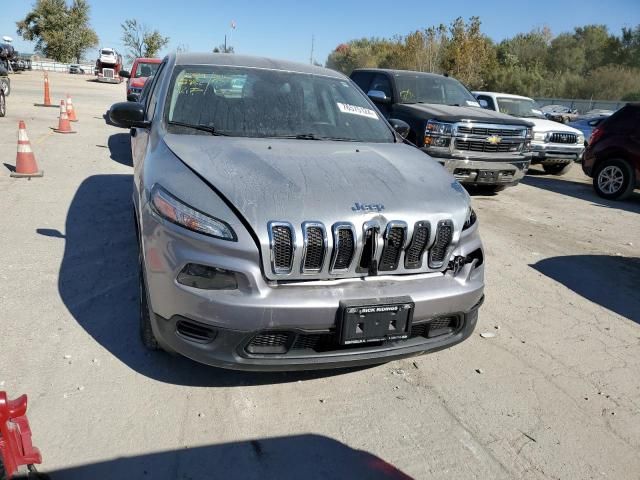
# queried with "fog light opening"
point(207, 278)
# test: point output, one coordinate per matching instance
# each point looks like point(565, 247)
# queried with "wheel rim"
point(611, 179)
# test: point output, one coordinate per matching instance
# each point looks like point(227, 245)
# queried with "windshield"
point(519, 107)
point(252, 102)
point(107, 52)
point(146, 69)
point(420, 88)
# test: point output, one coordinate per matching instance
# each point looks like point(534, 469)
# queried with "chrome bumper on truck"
point(492, 171)
point(554, 153)
point(270, 325)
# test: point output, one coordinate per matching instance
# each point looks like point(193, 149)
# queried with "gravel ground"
point(554, 394)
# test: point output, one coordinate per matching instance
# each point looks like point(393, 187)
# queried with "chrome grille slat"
point(315, 247)
point(282, 244)
point(414, 253)
point(394, 240)
point(444, 236)
point(344, 247)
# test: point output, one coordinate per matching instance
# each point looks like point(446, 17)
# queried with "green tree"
point(60, 32)
point(566, 54)
point(469, 53)
point(140, 40)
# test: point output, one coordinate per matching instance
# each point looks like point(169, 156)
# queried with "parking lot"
point(553, 392)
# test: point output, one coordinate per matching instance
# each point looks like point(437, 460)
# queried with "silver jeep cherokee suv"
point(283, 223)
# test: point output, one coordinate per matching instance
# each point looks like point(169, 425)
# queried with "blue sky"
point(283, 29)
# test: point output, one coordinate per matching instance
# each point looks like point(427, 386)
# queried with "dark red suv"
point(612, 158)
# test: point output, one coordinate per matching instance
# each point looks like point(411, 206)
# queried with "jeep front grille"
point(444, 235)
point(282, 242)
point(561, 137)
point(387, 248)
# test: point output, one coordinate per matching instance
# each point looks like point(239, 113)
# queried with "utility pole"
point(313, 39)
point(225, 44)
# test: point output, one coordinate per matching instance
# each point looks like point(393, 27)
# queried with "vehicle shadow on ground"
point(98, 283)
point(120, 148)
point(610, 281)
point(294, 457)
point(579, 190)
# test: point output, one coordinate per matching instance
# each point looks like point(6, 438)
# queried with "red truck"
point(141, 70)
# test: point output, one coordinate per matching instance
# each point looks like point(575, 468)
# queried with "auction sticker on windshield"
point(355, 110)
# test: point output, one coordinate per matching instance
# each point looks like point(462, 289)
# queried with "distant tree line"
point(590, 62)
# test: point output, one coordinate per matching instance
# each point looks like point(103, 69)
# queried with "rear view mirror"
point(400, 126)
point(124, 73)
point(128, 115)
point(378, 96)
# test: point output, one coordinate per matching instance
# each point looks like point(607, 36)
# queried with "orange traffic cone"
point(63, 124)
point(47, 97)
point(71, 113)
point(26, 166)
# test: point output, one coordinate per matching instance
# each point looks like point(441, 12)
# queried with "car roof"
point(235, 60)
point(399, 72)
point(148, 60)
point(505, 95)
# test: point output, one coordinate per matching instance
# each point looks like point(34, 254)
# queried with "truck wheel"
point(5, 86)
point(613, 179)
point(3, 104)
point(557, 168)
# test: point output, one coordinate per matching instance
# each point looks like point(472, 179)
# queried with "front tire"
point(614, 179)
point(3, 104)
point(557, 168)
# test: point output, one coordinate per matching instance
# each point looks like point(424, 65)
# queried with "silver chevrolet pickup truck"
point(284, 224)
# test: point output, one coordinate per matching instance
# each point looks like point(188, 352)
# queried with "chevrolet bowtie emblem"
point(494, 139)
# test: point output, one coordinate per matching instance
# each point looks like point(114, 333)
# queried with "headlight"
point(437, 134)
point(580, 140)
point(438, 128)
point(470, 220)
point(173, 210)
point(540, 136)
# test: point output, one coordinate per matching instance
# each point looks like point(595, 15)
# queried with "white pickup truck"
point(555, 146)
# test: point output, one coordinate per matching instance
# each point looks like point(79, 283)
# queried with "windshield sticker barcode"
point(355, 110)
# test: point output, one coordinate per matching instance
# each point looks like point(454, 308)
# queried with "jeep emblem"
point(367, 207)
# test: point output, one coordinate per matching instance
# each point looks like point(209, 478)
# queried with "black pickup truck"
point(477, 146)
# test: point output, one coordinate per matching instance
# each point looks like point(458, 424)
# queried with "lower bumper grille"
point(281, 342)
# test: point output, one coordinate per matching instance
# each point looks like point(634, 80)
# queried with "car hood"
point(544, 125)
point(306, 180)
point(447, 113)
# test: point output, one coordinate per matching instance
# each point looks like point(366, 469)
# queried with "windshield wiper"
point(202, 128)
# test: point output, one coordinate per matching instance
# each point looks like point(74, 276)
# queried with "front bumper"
point(555, 153)
point(234, 317)
point(489, 170)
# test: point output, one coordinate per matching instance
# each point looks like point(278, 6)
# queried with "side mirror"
point(400, 126)
point(133, 97)
point(128, 115)
point(378, 96)
point(483, 103)
point(125, 74)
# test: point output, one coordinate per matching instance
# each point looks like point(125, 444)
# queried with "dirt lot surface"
point(555, 394)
